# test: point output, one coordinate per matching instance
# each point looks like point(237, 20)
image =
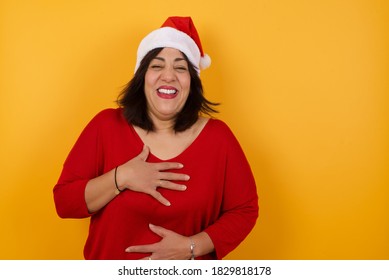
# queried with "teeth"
point(167, 91)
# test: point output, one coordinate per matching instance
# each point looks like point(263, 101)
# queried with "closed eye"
point(156, 66)
point(181, 68)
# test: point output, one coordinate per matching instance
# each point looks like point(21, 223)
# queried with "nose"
point(168, 74)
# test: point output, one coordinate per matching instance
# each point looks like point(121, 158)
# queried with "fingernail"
point(187, 177)
point(183, 187)
point(168, 203)
point(180, 165)
point(151, 225)
point(128, 250)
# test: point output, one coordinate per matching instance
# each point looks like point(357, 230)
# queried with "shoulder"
point(109, 116)
point(218, 131)
point(223, 138)
point(218, 126)
point(105, 121)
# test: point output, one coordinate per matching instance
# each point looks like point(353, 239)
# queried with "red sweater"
point(220, 199)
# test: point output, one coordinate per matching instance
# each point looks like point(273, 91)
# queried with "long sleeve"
point(239, 209)
point(82, 164)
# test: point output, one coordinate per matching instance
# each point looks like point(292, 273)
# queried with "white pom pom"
point(205, 61)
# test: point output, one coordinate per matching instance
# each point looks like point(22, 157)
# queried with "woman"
point(158, 178)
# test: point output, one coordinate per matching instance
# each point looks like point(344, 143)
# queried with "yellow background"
point(303, 84)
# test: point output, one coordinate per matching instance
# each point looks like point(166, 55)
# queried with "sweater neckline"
point(186, 150)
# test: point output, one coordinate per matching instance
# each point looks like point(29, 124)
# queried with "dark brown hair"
point(133, 99)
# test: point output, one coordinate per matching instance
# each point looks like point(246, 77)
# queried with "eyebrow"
point(175, 60)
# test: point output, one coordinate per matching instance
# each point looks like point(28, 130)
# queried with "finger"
point(161, 231)
point(171, 186)
point(168, 165)
point(140, 249)
point(158, 196)
point(145, 153)
point(174, 176)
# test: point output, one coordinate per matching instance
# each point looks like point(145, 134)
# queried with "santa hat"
point(179, 33)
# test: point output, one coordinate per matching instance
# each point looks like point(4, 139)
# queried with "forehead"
point(170, 53)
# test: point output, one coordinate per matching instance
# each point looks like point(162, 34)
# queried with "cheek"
point(185, 89)
point(149, 83)
point(185, 95)
point(150, 77)
point(185, 83)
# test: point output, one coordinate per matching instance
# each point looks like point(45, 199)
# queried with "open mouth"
point(167, 93)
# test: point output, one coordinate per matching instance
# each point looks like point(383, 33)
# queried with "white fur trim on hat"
point(168, 37)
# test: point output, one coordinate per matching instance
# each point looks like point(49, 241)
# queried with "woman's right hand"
point(141, 176)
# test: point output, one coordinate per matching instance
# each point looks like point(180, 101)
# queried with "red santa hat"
point(179, 33)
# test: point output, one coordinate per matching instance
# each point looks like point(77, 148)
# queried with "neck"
point(163, 126)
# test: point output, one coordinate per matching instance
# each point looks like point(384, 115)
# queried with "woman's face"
point(167, 84)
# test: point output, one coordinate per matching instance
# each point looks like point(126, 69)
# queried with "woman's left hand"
point(172, 246)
